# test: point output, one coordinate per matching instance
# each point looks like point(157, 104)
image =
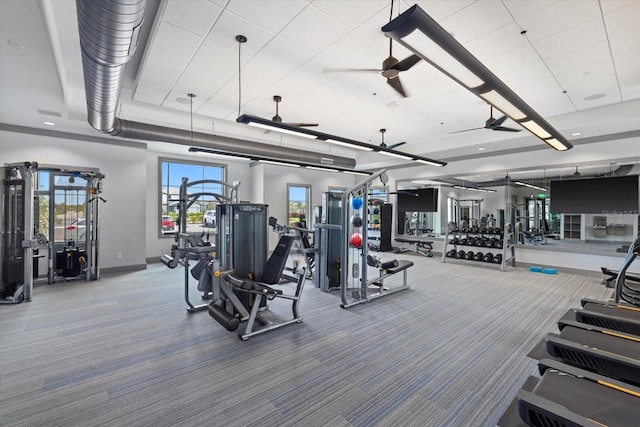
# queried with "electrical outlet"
point(119, 255)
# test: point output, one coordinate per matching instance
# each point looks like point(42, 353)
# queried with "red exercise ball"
point(356, 240)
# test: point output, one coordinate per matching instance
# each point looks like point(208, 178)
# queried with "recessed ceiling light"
point(576, 134)
point(15, 43)
point(49, 123)
point(481, 149)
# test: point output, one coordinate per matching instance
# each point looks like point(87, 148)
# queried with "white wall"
point(125, 185)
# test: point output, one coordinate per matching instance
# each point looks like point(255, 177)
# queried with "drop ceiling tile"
point(559, 17)
point(625, 45)
point(171, 101)
point(610, 6)
point(623, 21)
point(352, 13)
point(195, 16)
point(564, 42)
point(158, 78)
point(520, 9)
point(476, 20)
point(272, 15)
point(202, 79)
point(353, 49)
point(165, 62)
point(441, 9)
point(285, 54)
point(149, 94)
point(582, 92)
point(583, 64)
point(176, 40)
point(230, 25)
point(371, 29)
point(314, 29)
point(216, 55)
point(498, 42)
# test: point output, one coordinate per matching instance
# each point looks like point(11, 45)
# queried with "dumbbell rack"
point(453, 238)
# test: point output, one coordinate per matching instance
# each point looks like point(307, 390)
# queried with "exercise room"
point(319, 212)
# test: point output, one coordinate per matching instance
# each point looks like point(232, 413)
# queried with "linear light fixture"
point(332, 139)
point(483, 190)
point(524, 184)
point(421, 34)
point(273, 161)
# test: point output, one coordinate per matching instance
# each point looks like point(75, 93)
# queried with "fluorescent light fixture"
point(346, 144)
point(355, 173)
point(290, 132)
point(556, 144)
point(439, 58)
point(419, 32)
point(332, 139)
point(483, 190)
point(498, 101)
point(273, 162)
point(49, 123)
point(576, 134)
point(536, 129)
point(429, 162)
point(253, 157)
point(524, 184)
point(399, 156)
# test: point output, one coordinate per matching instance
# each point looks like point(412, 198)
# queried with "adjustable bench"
point(386, 269)
point(423, 247)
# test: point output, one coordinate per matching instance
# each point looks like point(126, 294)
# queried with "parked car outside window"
point(209, 218)
point(168, 224)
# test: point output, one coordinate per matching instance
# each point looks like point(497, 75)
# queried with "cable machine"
point(50, 223)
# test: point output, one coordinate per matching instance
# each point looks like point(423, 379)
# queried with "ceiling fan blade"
point(392, 146)
point(301, 124)
point(497, 122)
point(466, 130)
point(397, 85)
point(407, 63)
point(505, 129)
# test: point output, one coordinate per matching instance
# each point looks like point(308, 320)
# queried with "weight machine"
point(355, 259)
point(37, 203)
point(194, 247)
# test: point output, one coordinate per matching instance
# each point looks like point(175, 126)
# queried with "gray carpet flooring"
point(450, 351)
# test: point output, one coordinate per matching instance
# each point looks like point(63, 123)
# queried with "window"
point(171, 174)
point(298, 202)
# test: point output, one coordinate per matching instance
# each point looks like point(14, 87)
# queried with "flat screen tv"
point(612, 195)
point(419, 200)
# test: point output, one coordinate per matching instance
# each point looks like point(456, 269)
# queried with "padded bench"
point(423, 247)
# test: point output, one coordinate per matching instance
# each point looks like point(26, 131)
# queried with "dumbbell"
point(478, 256)
point(497, 259)
point(488, 257)
point(498, 244)
point(463, 241)
point(460, 254)
point(469, 255)
point(451, 253)
point(488, 243)
point(483, 230)
point(455, 240)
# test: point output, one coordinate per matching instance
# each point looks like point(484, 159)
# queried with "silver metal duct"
point(148, 132)
point(109, 31)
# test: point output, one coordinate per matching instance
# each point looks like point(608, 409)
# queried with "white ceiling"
point(588, 48)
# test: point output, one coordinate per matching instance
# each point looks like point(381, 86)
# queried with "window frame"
point(308, 194)
point(189, 162)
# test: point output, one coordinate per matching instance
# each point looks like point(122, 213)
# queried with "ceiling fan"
point(392, 146)
point(391, 66)
point(492, 124)
point(278, 119)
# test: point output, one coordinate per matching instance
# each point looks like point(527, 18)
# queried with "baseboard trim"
point(123, 269)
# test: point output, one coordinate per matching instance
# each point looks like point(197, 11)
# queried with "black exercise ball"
point(356, 220)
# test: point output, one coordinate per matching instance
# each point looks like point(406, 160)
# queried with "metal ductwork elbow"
point(109, 31)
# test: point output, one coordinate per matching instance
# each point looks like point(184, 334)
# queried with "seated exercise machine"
point(423, 247)
point(229, 311)
point(386, 269)
point(302, 237)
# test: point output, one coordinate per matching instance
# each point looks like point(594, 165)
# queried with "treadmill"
point(610, 353)
point(568, 396)
point(622, 314)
